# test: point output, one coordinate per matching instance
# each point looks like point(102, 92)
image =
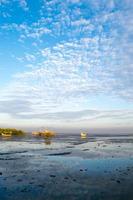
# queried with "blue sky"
point(66, 65)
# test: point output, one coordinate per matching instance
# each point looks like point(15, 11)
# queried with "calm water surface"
point(66, 167)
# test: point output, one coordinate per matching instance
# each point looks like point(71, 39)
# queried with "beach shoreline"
point(70, 168)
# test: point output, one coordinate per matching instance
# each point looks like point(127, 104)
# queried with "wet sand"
point(97, 168)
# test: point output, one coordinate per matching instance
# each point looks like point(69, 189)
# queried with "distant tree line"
point(11, 131)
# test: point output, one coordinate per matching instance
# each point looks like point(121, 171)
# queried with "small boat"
point(45, 133)
point(48, 133)
point(83, 135)
point(36, 133)
point(6, 134)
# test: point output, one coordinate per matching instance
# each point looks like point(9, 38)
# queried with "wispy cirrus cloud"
point(80, 65)
point(23, 5)
point(27, 31)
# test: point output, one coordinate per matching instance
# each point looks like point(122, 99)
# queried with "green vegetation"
point(11, 132)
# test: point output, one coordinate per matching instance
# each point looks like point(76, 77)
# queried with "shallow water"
point(66, 167)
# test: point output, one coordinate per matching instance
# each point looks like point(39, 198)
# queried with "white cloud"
point(27, 31)
point(69, 74)
point(23, 5)
point(30, 57)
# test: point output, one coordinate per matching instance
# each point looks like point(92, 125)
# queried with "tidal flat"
point(66, 167)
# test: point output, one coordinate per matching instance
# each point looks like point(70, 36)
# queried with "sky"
point(67, 65)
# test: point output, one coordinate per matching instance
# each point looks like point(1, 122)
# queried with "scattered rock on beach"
point(19, 180)
point(42, 186)
point(24, 190)
point(86, 149)
point(59, 154)
point(118, 181)
point(53, 176)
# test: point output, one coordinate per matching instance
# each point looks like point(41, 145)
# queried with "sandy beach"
point(67, 167)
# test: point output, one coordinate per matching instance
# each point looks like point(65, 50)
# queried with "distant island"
point(7, 132)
